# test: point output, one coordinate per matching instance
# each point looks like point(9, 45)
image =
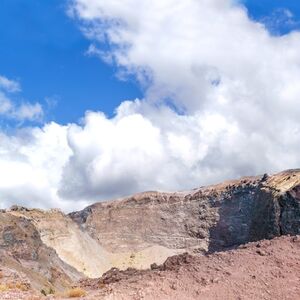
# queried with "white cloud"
point(9, 110)
point(132, 152)
point(141, 148)
point(9, 85)
point(5, 104)
point(182, 48)
point(105, 158)
point(236, 84)
point(31, 164)
point(28, 111)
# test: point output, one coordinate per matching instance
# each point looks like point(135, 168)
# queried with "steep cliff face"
point(206, 219)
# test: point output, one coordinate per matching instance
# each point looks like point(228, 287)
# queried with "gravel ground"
point(260, 270)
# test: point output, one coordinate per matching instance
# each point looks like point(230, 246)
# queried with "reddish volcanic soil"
point(261, 270)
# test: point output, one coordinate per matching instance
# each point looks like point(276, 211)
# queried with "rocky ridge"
point(205, 219)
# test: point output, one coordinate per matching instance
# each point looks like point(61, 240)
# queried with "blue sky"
point(44, 50)
point(260, 10)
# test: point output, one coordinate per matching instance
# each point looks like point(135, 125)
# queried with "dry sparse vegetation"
point(3, 288)
point(14, 286)
point(47, 291)
point(76, 292)
point(22, 287)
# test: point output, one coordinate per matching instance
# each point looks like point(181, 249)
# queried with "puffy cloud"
point(148, 148)
point(104, 158)
point(31, 164)
point(142, 148)
point(133, 152)
point(221, 101)
point(9, 110)
point(217, 66)
point(203, 55)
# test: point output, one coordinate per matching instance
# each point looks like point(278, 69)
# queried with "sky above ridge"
point(102, 99)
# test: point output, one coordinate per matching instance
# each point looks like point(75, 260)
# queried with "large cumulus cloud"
point(221, 100)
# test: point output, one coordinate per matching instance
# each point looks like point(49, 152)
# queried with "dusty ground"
point(261, 270)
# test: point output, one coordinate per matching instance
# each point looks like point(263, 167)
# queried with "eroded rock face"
point(22, 250)
point(210, 218)
point(290, 211)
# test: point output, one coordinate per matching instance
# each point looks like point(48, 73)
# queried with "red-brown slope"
point(261, 270)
